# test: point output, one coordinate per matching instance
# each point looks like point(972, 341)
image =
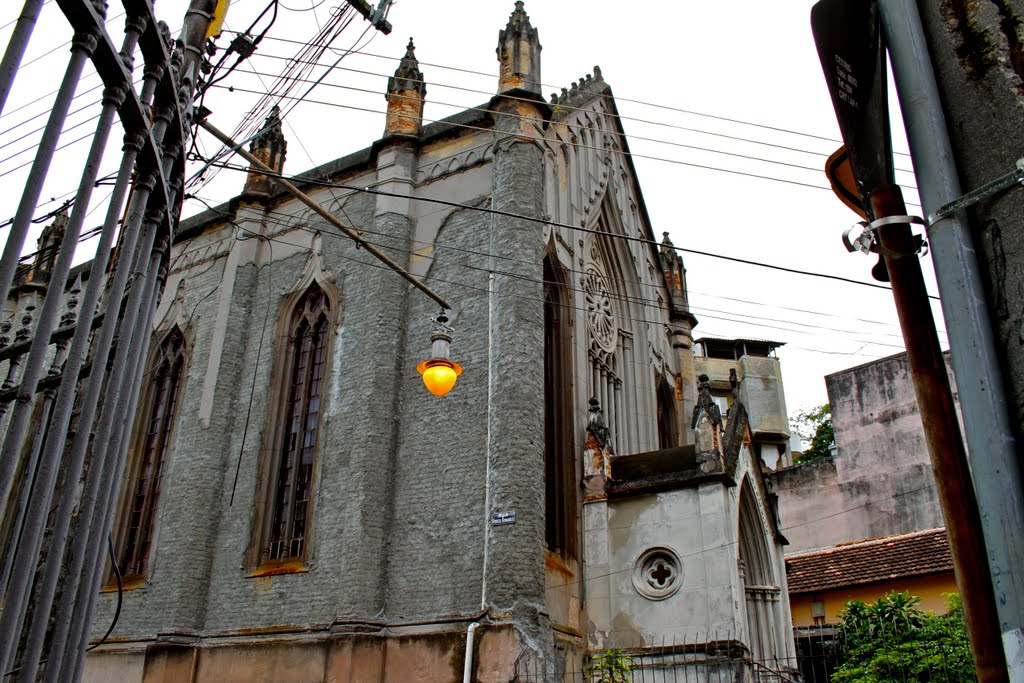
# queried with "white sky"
point(748, 60)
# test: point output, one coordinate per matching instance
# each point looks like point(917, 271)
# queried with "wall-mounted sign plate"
point(503, 518)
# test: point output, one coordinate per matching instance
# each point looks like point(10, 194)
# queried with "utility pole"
point(852, 52)
point(980, 371)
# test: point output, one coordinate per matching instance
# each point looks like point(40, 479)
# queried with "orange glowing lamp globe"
point(439, 375)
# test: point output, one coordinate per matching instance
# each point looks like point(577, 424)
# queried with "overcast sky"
point(741, 78)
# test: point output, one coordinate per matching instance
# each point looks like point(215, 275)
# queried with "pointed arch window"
point(153, 443)
point(559, 462)
point(296, 450)
point(668, 421)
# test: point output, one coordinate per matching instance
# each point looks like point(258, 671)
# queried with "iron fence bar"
point(67, 393)
point(64, 619)
point(113, 471)
point(29, 544)
point(16, 47)
point(34, 645)
point(113, 476)
point(87, 501)
point(9, 455)
point(154, 145)
point(23, 219)
point(54, 298)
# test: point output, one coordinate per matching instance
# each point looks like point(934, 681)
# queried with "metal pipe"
point(82, 46)
point(62, 521)
point(23, 218)
point(31, 539)
point(110, 484)
point(18, 515)
point(467, 668)
point(36, 362)
point(995, 464)
point(326, 215)
point(941, 432)
point(62, 616)
point(16, 47)
point(79, 347)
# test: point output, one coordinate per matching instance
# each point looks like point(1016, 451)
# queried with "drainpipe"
point(467, 670)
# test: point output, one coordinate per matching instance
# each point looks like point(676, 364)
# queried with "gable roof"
point(919, 553)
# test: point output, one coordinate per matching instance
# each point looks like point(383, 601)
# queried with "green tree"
point(893, 641)
point(814, 427)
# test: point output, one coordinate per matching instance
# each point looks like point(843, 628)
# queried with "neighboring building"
point(879, 481)
point(866, 520)
point(725, 360)
point(297, 507)
point(821, 582)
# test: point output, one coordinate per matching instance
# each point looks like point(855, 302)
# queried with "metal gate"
point(74, 366)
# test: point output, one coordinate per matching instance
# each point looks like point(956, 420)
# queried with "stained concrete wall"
point(879, 482)
point(699, 521)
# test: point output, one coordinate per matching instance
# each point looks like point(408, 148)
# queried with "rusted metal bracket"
point(974, 196)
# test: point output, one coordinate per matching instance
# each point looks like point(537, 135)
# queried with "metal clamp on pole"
point(867, 240)
point(973, 197)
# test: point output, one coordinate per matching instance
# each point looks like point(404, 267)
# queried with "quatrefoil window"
point(657, 573)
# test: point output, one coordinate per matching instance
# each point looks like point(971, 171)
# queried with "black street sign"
point(848, 36)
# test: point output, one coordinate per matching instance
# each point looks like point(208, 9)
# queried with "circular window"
point(657, 573)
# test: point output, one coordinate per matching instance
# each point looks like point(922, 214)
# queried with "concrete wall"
point(879, 482)
point(700, 522)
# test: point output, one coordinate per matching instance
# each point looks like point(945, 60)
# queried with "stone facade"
point(407, 543)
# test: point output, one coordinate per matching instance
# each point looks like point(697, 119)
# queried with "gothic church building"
point(297, 507)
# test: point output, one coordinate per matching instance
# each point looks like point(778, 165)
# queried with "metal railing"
point(73, 369)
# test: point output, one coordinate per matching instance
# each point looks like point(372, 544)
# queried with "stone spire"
point(675, 278)
point(707, 419)
point(519, 54)
point(46, 249)
point(270, 148)
point(406, 92)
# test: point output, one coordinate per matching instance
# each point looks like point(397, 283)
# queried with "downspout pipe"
point(467, 669)
point(987, 425)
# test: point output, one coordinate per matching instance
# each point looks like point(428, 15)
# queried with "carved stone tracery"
point(600, 316)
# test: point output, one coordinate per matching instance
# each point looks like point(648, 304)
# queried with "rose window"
point(599, 310)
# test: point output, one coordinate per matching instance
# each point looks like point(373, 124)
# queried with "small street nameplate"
point(502, 518)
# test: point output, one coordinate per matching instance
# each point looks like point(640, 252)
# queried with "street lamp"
point(440, 373)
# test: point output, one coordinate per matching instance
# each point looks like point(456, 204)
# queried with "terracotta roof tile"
point(879, 559)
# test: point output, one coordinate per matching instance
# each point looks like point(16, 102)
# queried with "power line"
point(509, 214)
point(283, 220)
point(616, 98)
point(611, 132)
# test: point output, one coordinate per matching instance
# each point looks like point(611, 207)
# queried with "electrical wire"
point(634, 155)
point(609, 132)
point(304, 180)
point(617, 296)
point(570, 108)
point(616, 98)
